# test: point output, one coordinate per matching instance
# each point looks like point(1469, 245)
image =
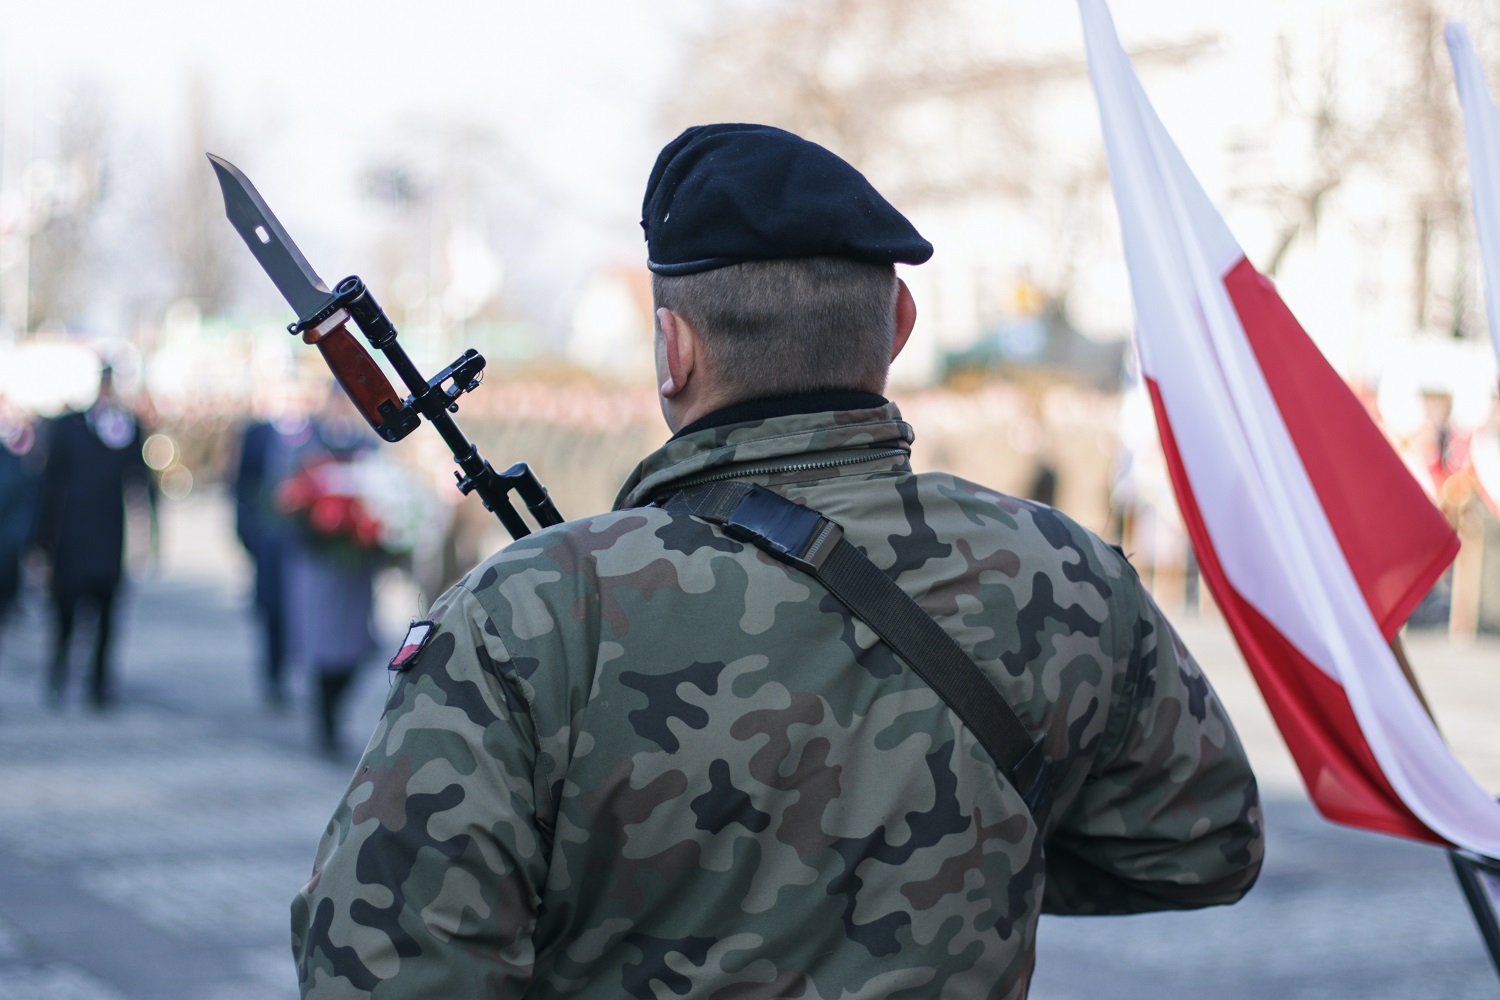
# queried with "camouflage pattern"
point(640, 759)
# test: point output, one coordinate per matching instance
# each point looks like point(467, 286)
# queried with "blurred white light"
point(49, 376)
point(176, 483)
point(160, 451)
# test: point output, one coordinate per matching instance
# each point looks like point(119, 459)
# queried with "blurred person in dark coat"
point(90, 461)
point(267, 447)
point(18, 502)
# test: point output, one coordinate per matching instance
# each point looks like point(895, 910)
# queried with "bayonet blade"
point(279, 257)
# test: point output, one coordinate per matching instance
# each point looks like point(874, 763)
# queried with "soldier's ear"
point(679, 351)
point(906, 317)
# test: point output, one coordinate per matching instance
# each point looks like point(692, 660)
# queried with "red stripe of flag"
point(1396, 542)
point(1342, 776)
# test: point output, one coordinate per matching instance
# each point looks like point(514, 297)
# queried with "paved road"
point(152, 852)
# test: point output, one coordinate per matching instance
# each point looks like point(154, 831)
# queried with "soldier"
point(92, 461)
point(635, 755)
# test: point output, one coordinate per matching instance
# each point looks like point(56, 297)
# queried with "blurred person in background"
point(266, 447)
point(329, 569)
point(635, 754)
point(91, 460)
point(18, 505)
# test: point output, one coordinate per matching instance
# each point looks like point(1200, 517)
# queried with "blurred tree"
point(925, 100)
point(1400, 127)
point(1429, 108)
point(198, 252)
point(457, 211)
point(931, 109)
point(61, 191)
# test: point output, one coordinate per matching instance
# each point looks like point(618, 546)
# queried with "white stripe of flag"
point(1482, 136)
point(1314, 539)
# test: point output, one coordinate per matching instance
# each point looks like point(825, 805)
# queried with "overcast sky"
point(306, 93)
point(567, 78)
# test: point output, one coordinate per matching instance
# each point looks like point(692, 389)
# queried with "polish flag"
point(1482, 136)
point(1314, 539)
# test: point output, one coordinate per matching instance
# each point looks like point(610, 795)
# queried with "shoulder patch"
point(418, 634)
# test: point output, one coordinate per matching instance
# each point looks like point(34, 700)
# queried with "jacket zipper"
point(832, 463)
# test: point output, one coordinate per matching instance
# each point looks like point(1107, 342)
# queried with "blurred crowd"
point(1459, 465)
point(321, 511)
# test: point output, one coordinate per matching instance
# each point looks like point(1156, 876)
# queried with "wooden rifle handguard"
point(353, 367)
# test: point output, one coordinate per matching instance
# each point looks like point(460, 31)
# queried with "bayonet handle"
point(359, 375)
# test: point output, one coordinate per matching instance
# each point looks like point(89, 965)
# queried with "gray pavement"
point(152, 852)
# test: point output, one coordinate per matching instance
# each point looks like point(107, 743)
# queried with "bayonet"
point(263, 233)
point(322, 319)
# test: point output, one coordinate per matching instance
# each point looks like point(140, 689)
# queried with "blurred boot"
point(101, 693)
point(332, 685)
point(57, 681)
point(274, 638)
point(65, 606)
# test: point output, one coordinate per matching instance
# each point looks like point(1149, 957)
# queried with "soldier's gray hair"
point(780, 327)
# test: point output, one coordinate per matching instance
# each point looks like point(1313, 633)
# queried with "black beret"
point(725, 194)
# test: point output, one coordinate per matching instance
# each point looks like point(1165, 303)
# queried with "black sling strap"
point(809, 541)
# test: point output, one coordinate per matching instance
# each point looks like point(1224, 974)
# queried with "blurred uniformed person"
point(92, 460)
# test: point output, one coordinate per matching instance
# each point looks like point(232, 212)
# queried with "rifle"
point(323, 319)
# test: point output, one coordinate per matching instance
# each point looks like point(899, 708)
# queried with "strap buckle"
point(786, 530)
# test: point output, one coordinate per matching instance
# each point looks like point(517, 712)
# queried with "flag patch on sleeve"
point(417, 636)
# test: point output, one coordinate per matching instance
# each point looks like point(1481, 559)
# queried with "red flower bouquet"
point(327, 501)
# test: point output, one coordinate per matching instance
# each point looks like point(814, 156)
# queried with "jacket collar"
point(773, 445)
point(756, 410)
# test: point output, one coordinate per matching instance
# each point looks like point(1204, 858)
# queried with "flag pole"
point(1411, 678)
point(1478, 876)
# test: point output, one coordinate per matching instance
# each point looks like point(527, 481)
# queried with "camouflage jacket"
point(641, 759)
